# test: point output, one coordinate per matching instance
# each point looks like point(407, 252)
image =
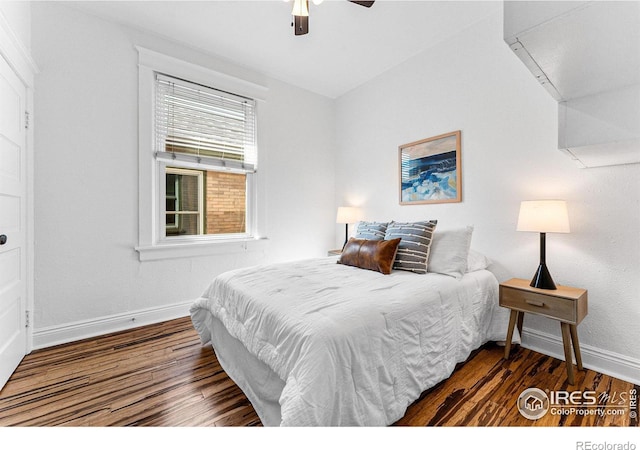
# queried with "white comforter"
point(354, 347)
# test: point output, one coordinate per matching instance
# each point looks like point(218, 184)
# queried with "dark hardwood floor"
point(160, 375)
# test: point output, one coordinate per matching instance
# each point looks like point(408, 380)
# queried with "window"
point(199, 202)
point(206, 155)
point(191, 134)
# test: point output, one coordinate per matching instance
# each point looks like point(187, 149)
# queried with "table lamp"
point(347, 215)
point(543, 216)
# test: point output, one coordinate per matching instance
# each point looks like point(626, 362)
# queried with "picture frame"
point(430, 170)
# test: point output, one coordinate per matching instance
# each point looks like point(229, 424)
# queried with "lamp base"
point(346, 235)
point(542, 279)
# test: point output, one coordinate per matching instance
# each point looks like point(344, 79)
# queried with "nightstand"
point(565, 304)
point(336, 252)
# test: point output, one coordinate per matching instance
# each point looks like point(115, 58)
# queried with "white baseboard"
point(606, 362)
point(75, 331)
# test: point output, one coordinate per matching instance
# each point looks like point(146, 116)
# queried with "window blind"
point(202, 125)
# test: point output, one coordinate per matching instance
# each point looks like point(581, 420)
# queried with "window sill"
point(199, 248)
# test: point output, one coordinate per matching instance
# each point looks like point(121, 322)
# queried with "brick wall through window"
point(225, 208)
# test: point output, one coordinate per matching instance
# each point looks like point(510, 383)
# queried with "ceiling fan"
point(300, 14)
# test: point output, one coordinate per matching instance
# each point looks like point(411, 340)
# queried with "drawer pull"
point(535, 302)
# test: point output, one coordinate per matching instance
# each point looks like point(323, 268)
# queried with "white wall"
point(474, 83)
point(86, 176)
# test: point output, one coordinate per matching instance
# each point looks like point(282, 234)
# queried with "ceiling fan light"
point(317, 2)
point(300, 8)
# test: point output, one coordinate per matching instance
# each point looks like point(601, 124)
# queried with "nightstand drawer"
point(554, 307)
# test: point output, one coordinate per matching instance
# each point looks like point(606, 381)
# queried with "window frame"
point(153, 243)
point(163, 196)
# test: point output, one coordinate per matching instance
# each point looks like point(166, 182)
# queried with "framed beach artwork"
point(430, 170)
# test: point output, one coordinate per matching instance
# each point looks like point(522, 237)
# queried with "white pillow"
point(477, 261)
point(353, 229)
point(450, 251)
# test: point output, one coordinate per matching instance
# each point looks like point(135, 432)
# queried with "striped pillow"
point(372, 231)
point(413, 251)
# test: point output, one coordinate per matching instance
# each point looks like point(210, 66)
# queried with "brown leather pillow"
point(371, 255)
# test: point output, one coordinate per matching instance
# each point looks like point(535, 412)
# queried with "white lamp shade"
point(348, 214)
point(543, 216)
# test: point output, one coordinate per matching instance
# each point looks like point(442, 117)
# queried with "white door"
point(13, 335)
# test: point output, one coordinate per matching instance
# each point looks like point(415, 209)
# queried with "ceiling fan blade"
point(362, 3)
point(300, 25)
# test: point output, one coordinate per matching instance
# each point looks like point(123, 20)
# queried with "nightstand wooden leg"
point(568, 357)
point(512, 325)
point(520, 322)
point(576, 345)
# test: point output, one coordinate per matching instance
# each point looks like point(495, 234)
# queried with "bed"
point(315, 343)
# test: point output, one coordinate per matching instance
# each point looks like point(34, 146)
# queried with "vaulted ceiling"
point(347, 44)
